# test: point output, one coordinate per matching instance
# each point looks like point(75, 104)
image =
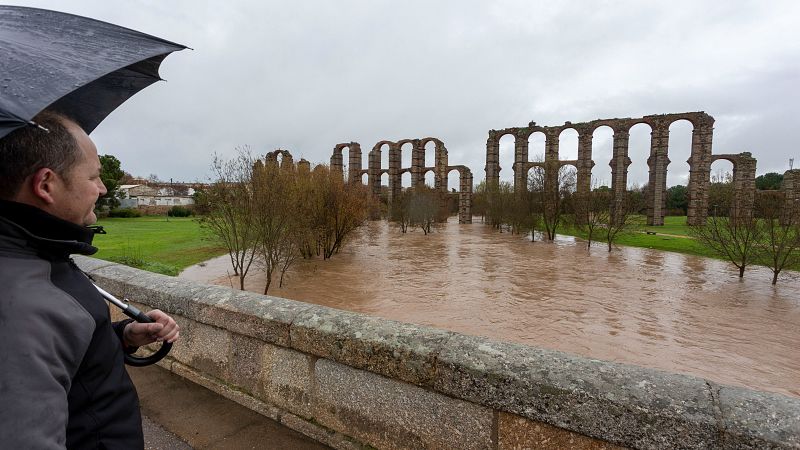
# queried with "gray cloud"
point(308, 75)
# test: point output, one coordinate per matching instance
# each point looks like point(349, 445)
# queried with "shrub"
point(179, 211)
point(124, 212)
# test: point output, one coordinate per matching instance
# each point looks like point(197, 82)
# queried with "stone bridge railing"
point(354, 381)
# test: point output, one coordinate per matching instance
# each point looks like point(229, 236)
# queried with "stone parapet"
point(354, 381)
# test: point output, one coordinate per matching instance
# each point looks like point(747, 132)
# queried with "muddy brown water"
point(646, 307)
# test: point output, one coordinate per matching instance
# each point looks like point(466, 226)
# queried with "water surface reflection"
point(663, 310)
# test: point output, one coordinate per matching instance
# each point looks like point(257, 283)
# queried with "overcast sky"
point(305, 76)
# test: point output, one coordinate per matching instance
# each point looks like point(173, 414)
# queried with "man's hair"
point(26, 150)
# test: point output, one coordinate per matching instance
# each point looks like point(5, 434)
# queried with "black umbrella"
point(78, 66)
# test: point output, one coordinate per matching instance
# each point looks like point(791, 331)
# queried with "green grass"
point(675, 225)
point(672, 237)
point(155, 244)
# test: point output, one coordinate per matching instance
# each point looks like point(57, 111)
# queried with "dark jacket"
point(62, 376)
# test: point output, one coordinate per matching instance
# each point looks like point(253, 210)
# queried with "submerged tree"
point(228, 204)
point(551, 187)
point(593, 211)
point(624, 216)
point(423, 207)
point(400, 212)
point(734, 238)
point(779, 223)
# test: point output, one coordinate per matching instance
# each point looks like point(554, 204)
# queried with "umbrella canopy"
point(78, 66)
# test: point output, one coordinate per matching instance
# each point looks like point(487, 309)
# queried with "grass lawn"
point(675, 225)
point(154, 243)
point(672, 237)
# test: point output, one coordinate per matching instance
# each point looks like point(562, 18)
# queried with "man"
point(62, 377)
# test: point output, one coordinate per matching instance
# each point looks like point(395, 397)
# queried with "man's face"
point(81, 185)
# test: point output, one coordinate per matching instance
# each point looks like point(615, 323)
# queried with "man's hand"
point(164, 328)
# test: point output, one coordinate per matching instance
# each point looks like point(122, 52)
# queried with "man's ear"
point(43, 183)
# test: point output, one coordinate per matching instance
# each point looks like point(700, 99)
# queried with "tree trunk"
point(775, 276)
point(741, 272)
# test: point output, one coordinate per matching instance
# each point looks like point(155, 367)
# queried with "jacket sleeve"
point(119, 328)
point(44, 334)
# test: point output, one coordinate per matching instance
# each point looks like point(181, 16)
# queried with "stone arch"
point(285, 160)
point(464, 192)
point(640, 140)
point(680, 150)
point(567, 140)
point(699, 161)
point(439, 164)
point(376, 167)
point(354, 160)
point(744, 182)
point(424, 177)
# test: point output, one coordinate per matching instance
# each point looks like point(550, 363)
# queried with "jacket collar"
point(43, 231)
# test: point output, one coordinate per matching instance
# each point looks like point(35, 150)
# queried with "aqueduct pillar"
point(520, 156)
point(492, 159)
point(744, 185)
point(585, 163)
point(657, 181)
point(465, 196)
point(619, 167)
point(700, 171)
point(791, 189)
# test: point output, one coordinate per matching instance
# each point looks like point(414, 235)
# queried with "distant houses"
point(156, 198)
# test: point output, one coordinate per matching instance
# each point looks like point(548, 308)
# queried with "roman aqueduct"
point(418, 170)
point(700, 161)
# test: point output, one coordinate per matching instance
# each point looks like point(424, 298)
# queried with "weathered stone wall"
point(658, 161)
point(351, 380)
point(417, 170)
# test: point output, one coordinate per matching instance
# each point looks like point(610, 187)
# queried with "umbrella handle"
point(140, 361)
point(135, 314)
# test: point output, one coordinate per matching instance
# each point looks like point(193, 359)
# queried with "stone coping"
point(624, 404)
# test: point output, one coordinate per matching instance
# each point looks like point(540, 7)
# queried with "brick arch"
point(464, 191)
point(354, 168)
point(286, 157)
point(699, 161)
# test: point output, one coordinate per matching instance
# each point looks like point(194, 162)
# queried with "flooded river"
point(656, 309)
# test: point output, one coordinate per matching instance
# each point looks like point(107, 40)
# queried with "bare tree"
point(423, 208)
point(344, 208)
point(624, 216)
point(499, 201)
point(550, 185)
point(593, 211)
point(400, 212)
point(228, 203)
point(780, 228)
point(734, 238)
point(275, 200)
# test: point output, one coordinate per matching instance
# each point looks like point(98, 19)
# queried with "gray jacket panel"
point(37, 372)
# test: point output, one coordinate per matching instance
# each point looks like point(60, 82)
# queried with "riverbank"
point(651, 308)
point(155, 243)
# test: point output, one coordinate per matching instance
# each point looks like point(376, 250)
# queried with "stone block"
point(263, 317)
point(88, 264)
point(206, 349)
point(518, 433)
point(756, 420)
point(287, 380)
point(390, 414)
point(397, 350)
point(169, 294)
point(623, 404)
